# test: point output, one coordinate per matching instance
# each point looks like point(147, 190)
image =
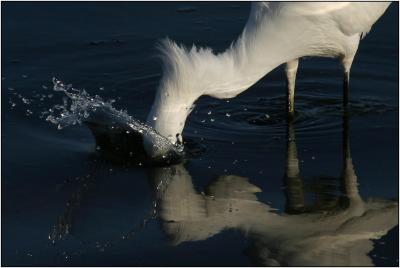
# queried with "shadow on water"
point(120, 144)
point(335, 227)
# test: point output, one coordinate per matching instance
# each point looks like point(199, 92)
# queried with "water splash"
point(80, 107)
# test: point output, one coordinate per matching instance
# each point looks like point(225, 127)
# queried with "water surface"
point(321, 190)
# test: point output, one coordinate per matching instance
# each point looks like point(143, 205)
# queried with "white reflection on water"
point(337, 228)
point(335, 231)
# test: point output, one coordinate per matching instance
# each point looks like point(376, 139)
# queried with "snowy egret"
point(275, 33)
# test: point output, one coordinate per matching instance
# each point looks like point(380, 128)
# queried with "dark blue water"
point(235, 202)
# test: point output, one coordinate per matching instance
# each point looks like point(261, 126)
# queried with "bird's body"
point(275, 33)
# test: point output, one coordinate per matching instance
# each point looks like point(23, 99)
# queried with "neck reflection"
point(333, 231)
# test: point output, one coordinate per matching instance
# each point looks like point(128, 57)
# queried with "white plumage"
point(275, 33)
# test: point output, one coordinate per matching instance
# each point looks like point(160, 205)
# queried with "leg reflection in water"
point(304, 235)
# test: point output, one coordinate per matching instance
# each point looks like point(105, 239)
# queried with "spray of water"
point(80, 107)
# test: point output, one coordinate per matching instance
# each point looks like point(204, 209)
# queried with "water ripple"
point(315, 115)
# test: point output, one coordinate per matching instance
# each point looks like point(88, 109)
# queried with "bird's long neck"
point(191, 73)
point(258, 50)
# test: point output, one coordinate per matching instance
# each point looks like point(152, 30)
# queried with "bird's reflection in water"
point(335, 231)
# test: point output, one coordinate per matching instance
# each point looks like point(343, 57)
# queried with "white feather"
point(275, 33)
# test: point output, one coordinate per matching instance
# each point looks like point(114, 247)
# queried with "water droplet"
point(24, 76)
point(10, 88)
point(101, 88)
point(228, 115)
point(313, 157)
point(44, 87)
point(209, 112)
point(212, 119)
point(154, 118)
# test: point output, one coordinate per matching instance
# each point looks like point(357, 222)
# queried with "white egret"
point(275, 33)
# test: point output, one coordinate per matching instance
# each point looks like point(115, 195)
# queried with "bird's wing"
point(351, 17)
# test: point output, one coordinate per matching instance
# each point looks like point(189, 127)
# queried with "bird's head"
point(188, 73)
point(167, 117)
point(174, 98)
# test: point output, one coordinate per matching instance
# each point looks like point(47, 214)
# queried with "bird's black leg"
point(346, 76)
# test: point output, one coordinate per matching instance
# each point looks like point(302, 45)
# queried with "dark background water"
point(51, 176)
